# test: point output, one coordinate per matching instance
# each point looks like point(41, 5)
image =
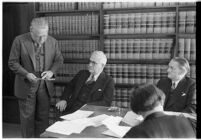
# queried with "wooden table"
point(91, 131)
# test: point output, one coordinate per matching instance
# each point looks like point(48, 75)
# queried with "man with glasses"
point(92, 86)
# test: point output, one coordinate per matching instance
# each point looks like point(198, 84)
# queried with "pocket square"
point(183, 94)
point(99, 89)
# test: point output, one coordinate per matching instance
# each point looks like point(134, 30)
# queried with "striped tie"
point(173, 86)
point(91, 80)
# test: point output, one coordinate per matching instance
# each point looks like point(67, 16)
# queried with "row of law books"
point(77, 49)
point(187, 22)
point(68, 6)
point(138, 48)
point(113, 5)
point(89, 5)
point(140, 73)
point(153, 22)
point(56, 6)
point(121, 97)
point(73, 24)
point(187, 48)
point(68, 71)
point(136, 73)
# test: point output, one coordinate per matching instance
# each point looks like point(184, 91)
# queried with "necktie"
point(173, 86)
point(91, 80)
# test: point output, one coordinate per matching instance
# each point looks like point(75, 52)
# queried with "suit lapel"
point(81, 83)
point(98, 82)
point(176, 93)
point(30, 49)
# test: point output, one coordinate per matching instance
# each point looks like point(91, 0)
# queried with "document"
point(132, 119)
point(97, 120)
point(112, 123)
point(77, 115)
point(69, 127)
point(117, 131)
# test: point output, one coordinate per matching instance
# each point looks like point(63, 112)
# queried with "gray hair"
point(100, 56)
point(183, 63)
point(39, 22)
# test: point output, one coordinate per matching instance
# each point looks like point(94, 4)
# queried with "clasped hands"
point(46, 75)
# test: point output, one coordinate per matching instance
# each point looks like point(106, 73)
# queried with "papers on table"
point(76, 122)
point(132, 118)
point(97, 120)
point(117, 131)
point(69, 127)
point(77, 115)
point(112, 123)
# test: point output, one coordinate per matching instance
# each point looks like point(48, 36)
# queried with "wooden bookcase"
point(162, 8)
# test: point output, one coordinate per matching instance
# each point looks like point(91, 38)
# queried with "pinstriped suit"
point(22, 61)
point(181, 99)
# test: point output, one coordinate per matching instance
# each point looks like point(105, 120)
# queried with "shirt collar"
point(96, 76)
point(176, 82)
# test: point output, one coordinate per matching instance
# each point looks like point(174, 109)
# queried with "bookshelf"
point(139, 39)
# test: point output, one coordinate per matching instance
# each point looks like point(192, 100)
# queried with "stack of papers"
point(77, 115)
point(76, 122)
point(69, 127)
point(112, 123)
point(97, 120)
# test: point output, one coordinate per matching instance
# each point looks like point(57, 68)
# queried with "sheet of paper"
point(112, 121)
point(77, 115)
point(132, 118)
point(119, 130)
point(69, 127)
point(110, 133)
point(97, 120)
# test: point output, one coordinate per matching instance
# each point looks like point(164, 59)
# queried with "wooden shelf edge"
point(67, 11)
point(78, 36)
point(142, 35)
point(140, 61)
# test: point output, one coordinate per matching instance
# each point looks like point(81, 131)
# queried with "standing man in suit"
point(91, 86)
point(180, 90)
point(147, 100)
point(35, 59)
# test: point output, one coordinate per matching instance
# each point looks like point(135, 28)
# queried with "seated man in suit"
point(147, 100)
point(91, 86)
point(180, 90)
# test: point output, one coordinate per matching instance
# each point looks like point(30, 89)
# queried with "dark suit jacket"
point(159, 125)
point(183, 98)
point(22, 61)
point(101, 93)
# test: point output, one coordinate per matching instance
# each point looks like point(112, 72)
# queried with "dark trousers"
point(34, 112)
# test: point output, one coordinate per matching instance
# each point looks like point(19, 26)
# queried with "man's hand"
point(47, 75)
point(61, 105)
point(31, 77)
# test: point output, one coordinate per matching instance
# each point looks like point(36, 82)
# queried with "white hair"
point(101, 57)
point(39, 22)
